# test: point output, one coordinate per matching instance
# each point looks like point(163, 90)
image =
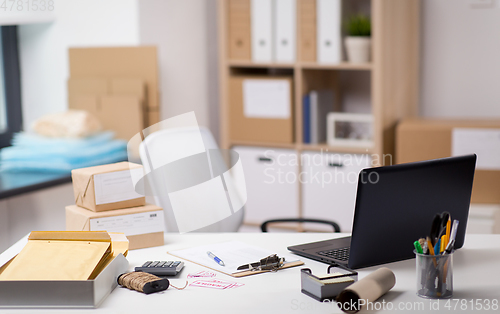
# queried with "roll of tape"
point(366, 290)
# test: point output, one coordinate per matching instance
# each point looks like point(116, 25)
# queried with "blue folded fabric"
point(37, 153)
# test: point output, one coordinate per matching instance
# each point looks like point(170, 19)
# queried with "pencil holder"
point(434, 276)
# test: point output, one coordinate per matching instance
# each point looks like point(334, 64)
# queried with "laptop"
point(395, 206)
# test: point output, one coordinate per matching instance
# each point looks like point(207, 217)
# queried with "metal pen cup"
point(434, 275)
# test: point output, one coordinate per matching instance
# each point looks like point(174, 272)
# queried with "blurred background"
point(389, 81)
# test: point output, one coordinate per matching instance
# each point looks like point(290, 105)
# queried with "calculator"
point(161, 268)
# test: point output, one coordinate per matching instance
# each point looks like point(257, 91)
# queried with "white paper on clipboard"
point(266, 99)
point(485, 143)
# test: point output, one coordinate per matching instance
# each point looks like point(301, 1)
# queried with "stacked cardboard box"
point(119, 85)
point(106, 199)
point(422, 139)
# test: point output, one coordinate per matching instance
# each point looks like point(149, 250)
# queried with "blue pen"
point(437, 247)
point(215, 258)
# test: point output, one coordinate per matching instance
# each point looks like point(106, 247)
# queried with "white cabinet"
point(329, 185)
point(271, 182)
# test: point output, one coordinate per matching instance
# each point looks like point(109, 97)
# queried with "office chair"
point(166, 146)
point(334, 225)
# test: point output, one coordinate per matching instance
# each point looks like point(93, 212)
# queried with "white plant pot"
point(358, 49)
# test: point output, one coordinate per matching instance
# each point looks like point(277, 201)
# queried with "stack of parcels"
point(106, 199)
point(61, 268)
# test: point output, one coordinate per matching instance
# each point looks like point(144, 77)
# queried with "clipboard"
point(234, 254)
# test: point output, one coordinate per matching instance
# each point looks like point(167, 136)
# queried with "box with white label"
point(425, 138)
point(143, 225)
point(107, 187)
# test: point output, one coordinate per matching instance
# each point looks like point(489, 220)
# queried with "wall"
point(36, 211)
point(185, 33)
point(44, 48)
point(460, 59)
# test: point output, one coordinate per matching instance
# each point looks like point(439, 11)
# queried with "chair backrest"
point(171, 145)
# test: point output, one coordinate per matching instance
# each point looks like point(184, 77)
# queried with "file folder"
point(261, 19)
point(239, 30)
point(329, 19)
point(307, 16)
point(285, 30)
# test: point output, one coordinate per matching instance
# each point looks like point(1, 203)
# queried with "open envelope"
point(62, 255)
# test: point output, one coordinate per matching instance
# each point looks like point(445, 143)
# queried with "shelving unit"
point(392, 75)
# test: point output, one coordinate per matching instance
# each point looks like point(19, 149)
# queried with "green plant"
point(358, 25)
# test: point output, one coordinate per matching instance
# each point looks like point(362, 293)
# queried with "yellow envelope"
point(60, 255)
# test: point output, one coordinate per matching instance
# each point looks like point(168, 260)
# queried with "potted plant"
point(358, 40)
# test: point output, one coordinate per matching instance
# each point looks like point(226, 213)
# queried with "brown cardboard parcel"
point(106, 187)
point(81, 219)
point(119, 104)
point(422, 139)
point(242, 128)
point(118, 63)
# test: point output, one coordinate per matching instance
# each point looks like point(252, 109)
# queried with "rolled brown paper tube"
point(367, 289)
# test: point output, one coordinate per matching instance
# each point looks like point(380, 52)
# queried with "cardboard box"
point(118, 63)
point(85, 87)
point(107, 187)
point(243, 127)
point(153, 117)
point(118, 104)
point(422, 139)
point(142, 225)
point(122, 114)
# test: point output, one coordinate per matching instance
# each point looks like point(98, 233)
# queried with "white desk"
point(476, 276)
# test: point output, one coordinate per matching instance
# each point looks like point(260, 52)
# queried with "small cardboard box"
point(143, 225)
point(107, 187)
point(248, 123)
point(422, 139)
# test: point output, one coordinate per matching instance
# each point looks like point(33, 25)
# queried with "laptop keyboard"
point(341, 254)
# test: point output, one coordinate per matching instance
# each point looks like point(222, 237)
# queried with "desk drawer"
point(329, 184)
point(271, 181)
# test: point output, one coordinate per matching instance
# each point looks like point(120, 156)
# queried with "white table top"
point(476, 278)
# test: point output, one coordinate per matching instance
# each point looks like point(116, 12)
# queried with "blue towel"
point(37, 153)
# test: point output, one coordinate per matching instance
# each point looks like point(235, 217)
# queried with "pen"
point(429, 244)
point(443, 244)
point(437, 247)
point(215, 258)
point(448, 227)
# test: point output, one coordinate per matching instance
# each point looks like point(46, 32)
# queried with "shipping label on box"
point(130, 225)
point(485, 143)
point(143, 225)
point(116, 186)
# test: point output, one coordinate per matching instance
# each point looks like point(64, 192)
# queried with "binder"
point(261, 20)
point(306, 116)
point(285, 30)
point(329, 17)
point(239, 30)
point(307, 16)
point(321, 103)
